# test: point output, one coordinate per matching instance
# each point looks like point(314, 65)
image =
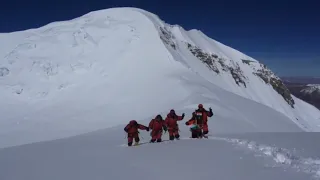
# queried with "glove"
point(147, 129)
point(182, 115)
point(187, 123)
point(126, 130)
point(165, 128)
point(210, 109)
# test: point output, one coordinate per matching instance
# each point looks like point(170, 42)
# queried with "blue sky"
point(282, 34)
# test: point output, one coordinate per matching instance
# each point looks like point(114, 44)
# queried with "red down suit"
point(132, 130)
point(200, 118)
point(171, 122)
point(157, 125)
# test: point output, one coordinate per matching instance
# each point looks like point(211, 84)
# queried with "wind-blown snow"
point(280, 155)
point(110, 66)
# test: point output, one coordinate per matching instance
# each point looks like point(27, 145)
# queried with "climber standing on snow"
point(157, 125)
point(133, 133)
point(171, 122)
point(199, 122)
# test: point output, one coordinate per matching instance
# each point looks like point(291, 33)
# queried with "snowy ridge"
point(110, 66)
point(247, 72)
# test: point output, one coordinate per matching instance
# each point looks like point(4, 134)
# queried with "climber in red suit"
point(200, 120)
point(133, 133)
point(157, 125)
point(171, 122)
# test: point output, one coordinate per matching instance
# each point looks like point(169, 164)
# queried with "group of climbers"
point(198, 123)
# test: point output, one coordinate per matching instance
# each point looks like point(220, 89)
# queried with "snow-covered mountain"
point(311, 88)
point(301, 80)
point(304, 90)
point(110, 66)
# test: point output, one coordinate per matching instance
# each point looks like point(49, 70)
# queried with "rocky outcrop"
point(221, 65)
point(237, 75)
point(4, 71)
point(207, 58)
point(167, 37)
point(270, 78)
point(248, 62)
point(212, 60)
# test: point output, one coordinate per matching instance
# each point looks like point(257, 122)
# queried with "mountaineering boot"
point(159, 140)
point(177, 136)
point(194, 135)
point(171, 137)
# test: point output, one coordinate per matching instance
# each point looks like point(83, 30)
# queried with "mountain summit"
point(110, 66)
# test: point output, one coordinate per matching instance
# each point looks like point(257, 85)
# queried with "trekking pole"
point(125, 137)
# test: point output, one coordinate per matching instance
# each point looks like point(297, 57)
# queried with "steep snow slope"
point(235, 72)
point(110, 66)
point(250, 78)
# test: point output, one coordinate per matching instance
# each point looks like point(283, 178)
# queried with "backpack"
point(198, 117)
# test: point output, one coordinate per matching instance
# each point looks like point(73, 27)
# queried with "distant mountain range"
point(305, 88)
point(303, 80)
